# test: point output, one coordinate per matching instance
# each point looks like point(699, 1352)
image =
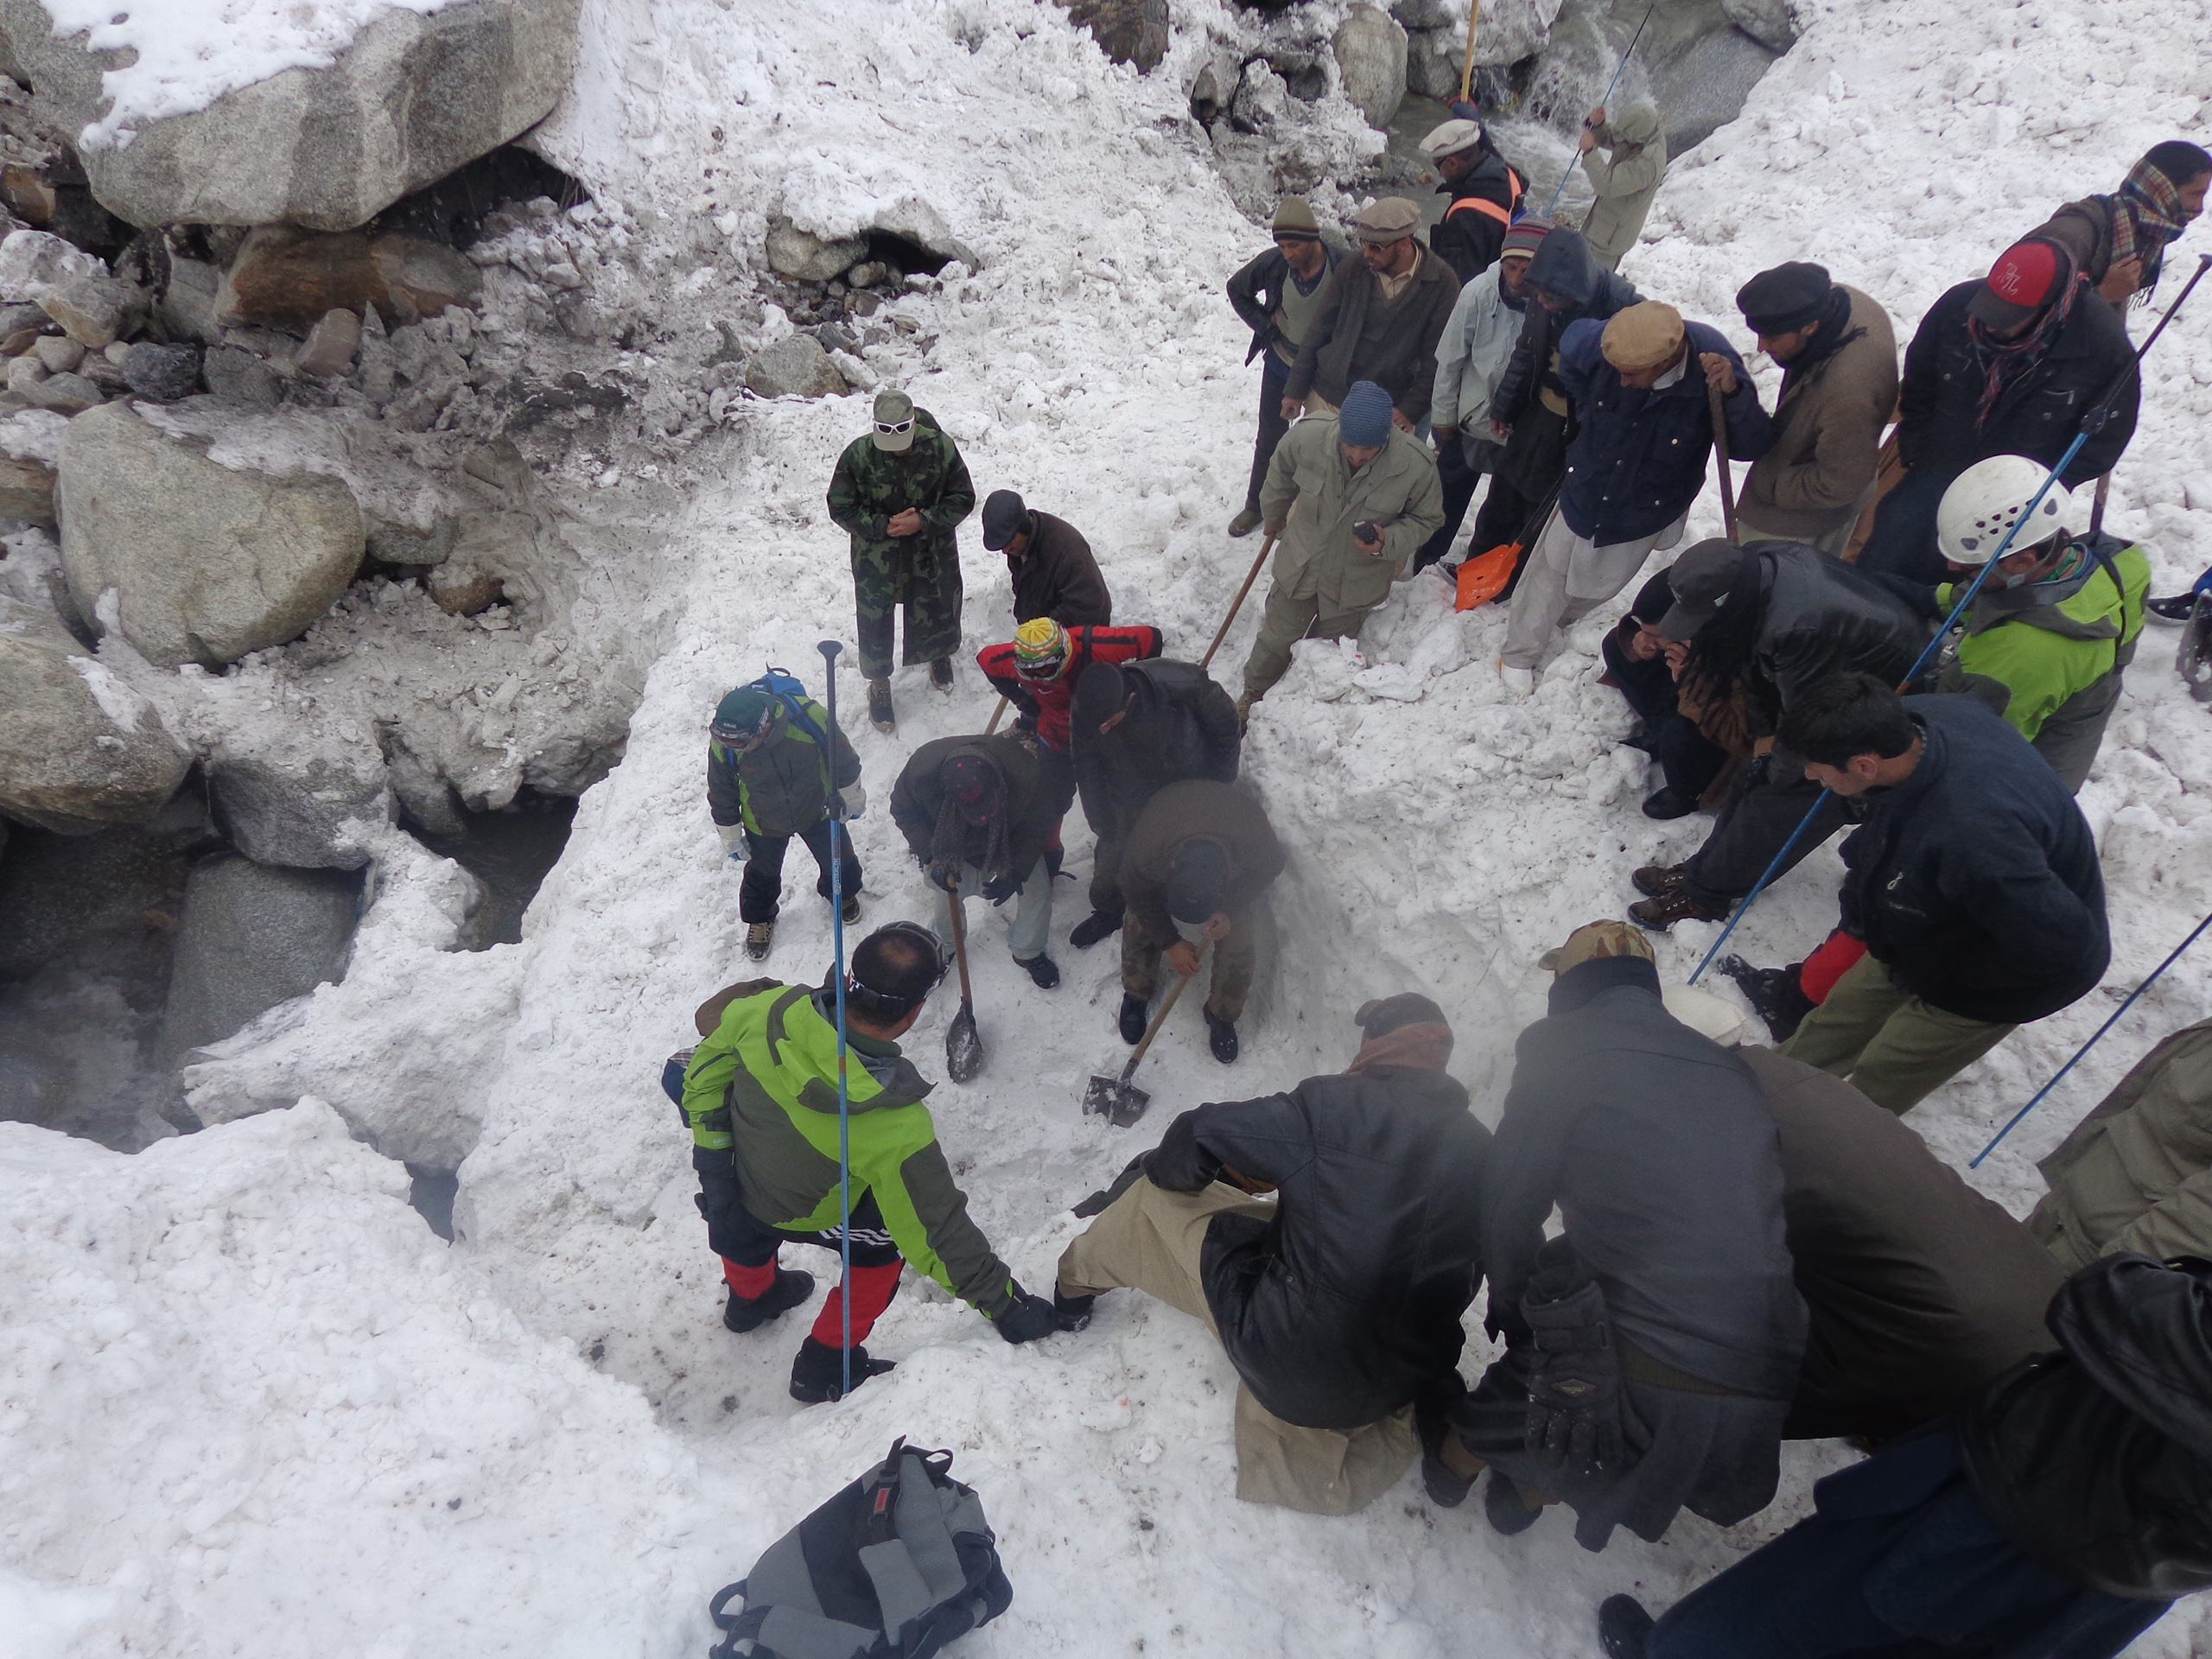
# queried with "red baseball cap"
point(2027, 277)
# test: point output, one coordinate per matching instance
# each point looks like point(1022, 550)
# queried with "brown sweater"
point(1175, 814)
point(1359, 335)
point(1827, 432)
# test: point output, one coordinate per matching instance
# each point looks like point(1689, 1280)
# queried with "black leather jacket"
point(1817, 616)
point(2096, 1461)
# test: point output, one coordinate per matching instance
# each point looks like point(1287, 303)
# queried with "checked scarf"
point(2147, 215)
point(2008, 360)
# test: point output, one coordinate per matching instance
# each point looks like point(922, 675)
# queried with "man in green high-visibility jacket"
point(761, 1096)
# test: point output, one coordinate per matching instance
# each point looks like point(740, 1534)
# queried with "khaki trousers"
point(1235, 961)
point(1282, 625)
point(1150, 1239)
point(1888, 1043)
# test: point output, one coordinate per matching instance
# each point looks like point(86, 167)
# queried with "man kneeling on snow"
point(761, 1096)
point(1339, 1302)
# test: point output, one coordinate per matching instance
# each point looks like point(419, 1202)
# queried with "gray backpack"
point(895, 1566)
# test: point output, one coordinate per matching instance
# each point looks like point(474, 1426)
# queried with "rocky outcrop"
point(207, 562)
point(290, 279)
point(795, 368)
point(1134, 32)
point(78, 748)
point(283, 799)
point(1767, 21)
point(251, 937)
point(412, 98)
point(802, 256)
point(1371, 59)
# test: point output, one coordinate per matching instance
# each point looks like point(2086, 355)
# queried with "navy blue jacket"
point(1975, 880)
point(1638, 459)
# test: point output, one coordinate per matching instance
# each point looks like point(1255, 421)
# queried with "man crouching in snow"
point(761, 1093)
point(1339, 1302)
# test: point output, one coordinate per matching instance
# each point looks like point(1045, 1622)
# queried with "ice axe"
point(963, 1049)
point(1118, 1100)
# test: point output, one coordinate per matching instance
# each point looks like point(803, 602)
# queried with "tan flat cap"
point(1643, 336)
point(1387, 220)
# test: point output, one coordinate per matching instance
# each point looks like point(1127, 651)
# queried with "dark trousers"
point(1274, 376)
point(761, 895)
point(1766, 805)
point(736, 1233)
point(1690, 759)
point(1903, 541)
point(1459, 474)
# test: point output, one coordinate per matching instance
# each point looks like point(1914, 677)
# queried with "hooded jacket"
point(1346, 1305)
point(1660, 1155)
point(1178, 813)
point(2136, 1174)
point(1471, 355)
point(1057, 576)
point(2096, 1461)
point(1975, 881)
point(1626, 181)
point(1183, 725)
point(1359, 335)
point(1034, 800)
point(1817, 616)
point(1827, 432)
point(764, 1087)
point(1638, 458)
point(2046, 654)
point(782, 787)
point(1560, 264)
point(1315, 556)
point(2040, 412)
point(1483, 201)
point(1045, 704)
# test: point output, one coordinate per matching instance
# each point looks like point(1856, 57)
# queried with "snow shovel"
point(1118, 1100)
point(963, 1049)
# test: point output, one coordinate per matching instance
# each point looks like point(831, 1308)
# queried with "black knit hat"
point(1198, 879)
point(1385, 1014)
point(1785, 299)
point(1099, 696)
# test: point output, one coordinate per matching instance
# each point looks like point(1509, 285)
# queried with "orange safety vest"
point(1516, 188)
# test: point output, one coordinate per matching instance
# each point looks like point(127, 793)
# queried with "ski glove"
point(1030, 1317)
point(854, 799)
point(733, 842)
point(1578, 1403)
point(998, 891)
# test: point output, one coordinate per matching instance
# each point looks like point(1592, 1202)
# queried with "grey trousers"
point(1755, 824)
point(2074, 731)
point(1032, 927)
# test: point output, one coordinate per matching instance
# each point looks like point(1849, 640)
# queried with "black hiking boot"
point(1221, 1037)
point(880, 712)
point(1777, 994)
point(1657, 878)
point(744, 1313)
point(2175, 607)
point(1133, 1019)
point(1503, 1507)
point(1669, 803)
point(1093, 928)
point(941, 674)
point(1043, 971)
point(852, 910)
point(1675, 905)
point(1074, 1312)
point(1623, 1627)
point(1445, 1489)
point(818, 1374)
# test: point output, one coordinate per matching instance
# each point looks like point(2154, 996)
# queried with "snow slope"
point(1440, 839)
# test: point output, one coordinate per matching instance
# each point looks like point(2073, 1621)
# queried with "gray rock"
point(241, 376)
point(1434, 58)
point(411, 98)
point(398, 545)
point(282, 800)
point(802, 257)
point(1767, 21)
point(248, 938)
point(26, 492)
point(59, 352)
point(209, 561)
point(1134, 32)
point(1371, 60)
point(187, 305)
point(1703, 87)
point(20, 315)
point(330, 345)
point(163, 373)
point(1262, 99)
point(465, 588)
point(796, 367)
point(833, 338)
point(31, 262)
point(93, 310)
point(1432, 13)
point(65, 394)
point(78, 748)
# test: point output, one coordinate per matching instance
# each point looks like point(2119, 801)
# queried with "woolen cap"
point(1004, 519)
point(1390, 220)
point(2027, 277)
point(1385, 1014)
point(1198, 879)
point(1523, 236)
point(1363, 417)
point(1451, 139)
point(1785, 299)
point(1294, 217)
point(1700, 580)
point(891, 408)
point(1643, 336)
point(742, 712)
point(1099, 696)
point(973, 784)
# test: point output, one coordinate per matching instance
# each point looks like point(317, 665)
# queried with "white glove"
point(733, 837)
point(854, 800)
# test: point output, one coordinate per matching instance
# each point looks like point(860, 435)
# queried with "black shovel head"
point(963, 1049)
point(1118, 1100)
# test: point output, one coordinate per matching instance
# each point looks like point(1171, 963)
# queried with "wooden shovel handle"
point(1720, 453)
point(1237, 604)
point(1158, 1020)
point(958, 908)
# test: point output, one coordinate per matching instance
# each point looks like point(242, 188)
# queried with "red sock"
point(751, 1283)
point(1837, 956)
point(872, 1289)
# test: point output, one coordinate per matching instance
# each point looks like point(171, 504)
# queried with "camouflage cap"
point(1595, 939)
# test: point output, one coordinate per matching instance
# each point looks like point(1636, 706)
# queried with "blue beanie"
point(1364, 418)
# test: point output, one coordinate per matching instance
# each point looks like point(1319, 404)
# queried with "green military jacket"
point(871, 485)
point(764, 1087)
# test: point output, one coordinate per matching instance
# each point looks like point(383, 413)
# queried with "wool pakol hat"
point(1040, 649)
point(1004, 519)
point(2027, 277)
point(1363, 417)
point(893, 408)
point(1294, 217)
point(1523, 236)
point(1700, 580)
point(1391, 220)
point(1451, 139)
point(1785, 299)
point(1643, 336)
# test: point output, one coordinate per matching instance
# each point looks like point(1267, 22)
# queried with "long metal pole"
point(1612, 86)
point(830, 648)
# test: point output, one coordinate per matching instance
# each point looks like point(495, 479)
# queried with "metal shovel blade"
point(963, 1049)
point(1118, 1100)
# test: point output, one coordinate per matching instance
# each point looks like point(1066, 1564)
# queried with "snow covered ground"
point(250, 1405)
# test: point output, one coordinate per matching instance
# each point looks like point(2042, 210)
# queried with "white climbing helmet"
point(1985, 500)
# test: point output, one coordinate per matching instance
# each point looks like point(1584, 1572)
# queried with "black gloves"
point(944, 873)
point(1578, 1405)
point(1030, 1317)
point(1000, 889)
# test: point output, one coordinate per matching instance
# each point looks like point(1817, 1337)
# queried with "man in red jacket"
point(1036, 670)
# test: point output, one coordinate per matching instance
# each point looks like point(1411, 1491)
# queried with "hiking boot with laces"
point(941, 674)
point(818, 1372)
point(851, 912)
point(879, 707)
point(1043, 971)
point(1657, 878)
point(745, 1313)
point(758, 939)
point(1675, 905)
point(1093, 928)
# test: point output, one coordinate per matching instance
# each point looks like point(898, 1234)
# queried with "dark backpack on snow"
point(895, 1566)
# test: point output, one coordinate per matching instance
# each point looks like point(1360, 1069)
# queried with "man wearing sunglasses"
point(770, 776)
point(899, 493)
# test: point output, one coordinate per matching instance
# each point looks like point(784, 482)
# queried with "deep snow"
point(253, 1380)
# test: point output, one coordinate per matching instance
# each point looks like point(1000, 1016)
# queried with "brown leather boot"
point(1675, 905)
